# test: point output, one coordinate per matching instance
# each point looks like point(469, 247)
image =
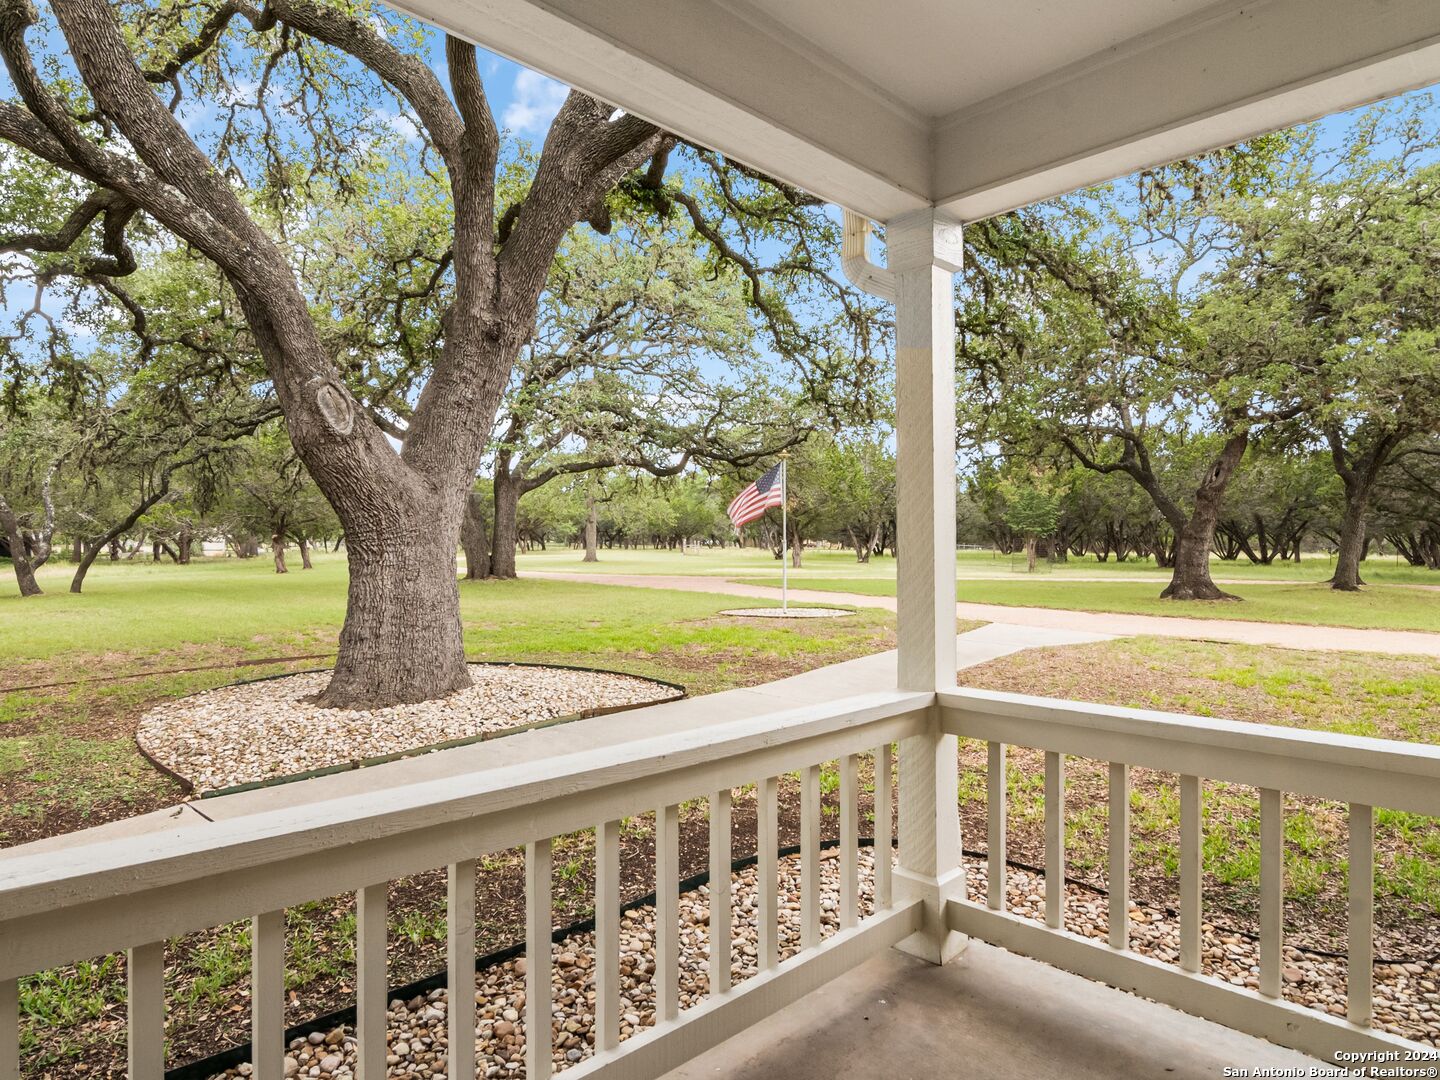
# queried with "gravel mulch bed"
point(273, 728)
point(1406, 999)
point(787, 613)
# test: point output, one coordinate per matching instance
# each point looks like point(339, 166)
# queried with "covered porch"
point(921, 117)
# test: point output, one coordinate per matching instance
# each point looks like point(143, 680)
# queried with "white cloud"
point(535, 102)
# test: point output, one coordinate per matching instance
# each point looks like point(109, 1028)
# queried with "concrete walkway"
point(987, 1015)
point(1105, 624)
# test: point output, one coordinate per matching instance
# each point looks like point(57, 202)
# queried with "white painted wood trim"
point(1346, 768)
point(213, 885)
point(267, 995)
point(671, 763)
point(849, 766)
point(720, 892)
point(607, 935)
point(1054, 839)
point(1118, 872)
point(996, 797)
point(145, 1009)
point(460, 968)
point(884, 825)
point(1272, 890)
point(1282, 1022)
point(9, 1029)
point(539, 919)
point(660, 1049)
point(667, 913)
point(767, 868)
point(1192, 902)
point(810, 857)
point(372, 942)
point(1360, 1004)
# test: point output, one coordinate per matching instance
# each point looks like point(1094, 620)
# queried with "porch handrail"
point(1363, 772)
point(135, 893)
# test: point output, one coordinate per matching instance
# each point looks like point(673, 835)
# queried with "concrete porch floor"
point(988, 1015)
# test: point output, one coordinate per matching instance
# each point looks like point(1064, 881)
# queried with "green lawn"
point(1388, 697)
point(67, 752)
point(1389, 607)
point(978, 565)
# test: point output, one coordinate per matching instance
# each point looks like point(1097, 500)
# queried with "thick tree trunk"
point(592, 528)
point(19, 558)
point(113, 551)
point(185, 543)
point(1352, 536)
point(304, 545)
point(1194, 539)
point(402, 640)
point(475, 539)
point(505, 534)
point(277, 550)
point(1030, 549)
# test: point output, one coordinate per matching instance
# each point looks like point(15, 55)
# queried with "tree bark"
point(402, 640)
point(304, 546)
point(19, 556)
point(505, 533)
point(475, 539)
point(1031, 544)
point(184, 543)
point(1194, 538)
point(277, 550)
point(1358, 477)
point(592, 529)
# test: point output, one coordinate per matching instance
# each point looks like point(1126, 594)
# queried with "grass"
point(1346, 693)
point(67, 753)
point(1384, 607)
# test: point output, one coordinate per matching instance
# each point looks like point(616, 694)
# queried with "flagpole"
point(784, 533)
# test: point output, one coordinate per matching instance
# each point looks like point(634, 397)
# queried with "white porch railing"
point(137, 893)
point(1365, 773)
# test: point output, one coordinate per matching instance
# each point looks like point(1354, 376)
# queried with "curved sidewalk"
point(1114, 624)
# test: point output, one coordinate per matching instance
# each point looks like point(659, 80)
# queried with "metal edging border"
point(187, 786)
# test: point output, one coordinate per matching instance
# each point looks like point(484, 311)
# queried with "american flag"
point(757, 498)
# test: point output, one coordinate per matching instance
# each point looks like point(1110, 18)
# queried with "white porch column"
point(925, 252)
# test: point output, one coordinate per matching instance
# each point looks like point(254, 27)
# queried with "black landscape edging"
point(187, 786)
point(237, 1055)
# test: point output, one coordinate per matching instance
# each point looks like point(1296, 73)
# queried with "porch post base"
point(936, 943)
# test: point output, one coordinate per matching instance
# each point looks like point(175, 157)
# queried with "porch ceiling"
point(970, 105)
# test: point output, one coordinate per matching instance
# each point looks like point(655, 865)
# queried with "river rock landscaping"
point(1407, 995)
point(272, 728)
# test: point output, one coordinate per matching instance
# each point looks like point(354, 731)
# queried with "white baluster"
point(1119, 862)
point(1054, 839)
point(9, 1029)
point(1360, 1001)
point(849, 766)
point(371, 977)
point(607, 935)
point(768, 871)
point(460, 969)
point(884, 850)
point(810, 857)
point(720, 892)
point(267, 995)
point(995, 811)
point(145, 1008)
point(667, 913)
point(1191, 899)
point(539, 1038)
point(1272, 890)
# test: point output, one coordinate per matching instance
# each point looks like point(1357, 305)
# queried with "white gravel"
point(1406, 1001)
point(787, 613)
point(273, 728)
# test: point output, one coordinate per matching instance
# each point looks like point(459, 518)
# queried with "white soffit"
point(974, 105)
